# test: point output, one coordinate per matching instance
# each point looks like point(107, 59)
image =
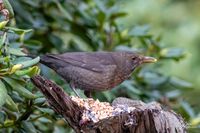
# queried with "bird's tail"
point(49, 60)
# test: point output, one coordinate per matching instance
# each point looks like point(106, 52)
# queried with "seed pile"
point(96, 110)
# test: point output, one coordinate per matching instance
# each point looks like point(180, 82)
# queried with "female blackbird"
point(94, 71)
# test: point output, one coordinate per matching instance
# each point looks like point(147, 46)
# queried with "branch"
point(124, 115)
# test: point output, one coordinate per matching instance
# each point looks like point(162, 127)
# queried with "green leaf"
point(16, 51)
point(31, 3)
point(118, 15)
point(153, 78)
point(46, 110)
point(15, 68)
point(28, 127)
point(139, 31)
point(195, 122)
point(2, 40)
point(44, 120)
point(16, 97)
point(33, 44)
point(40, 101)
point(186, 106)
point(26, 63)
point(100, 5)
point(180, 83)
point(3, 93)
point(19, 31)
point(22, 11)
point(11, 105)
point(63, 11)
point(173, 94)
point(30, 71)
point(2, 117)
point(19, 88)
point(4, 59)
point(130, 87)
point(174, 53)
point(29, 63)
point(3, 24)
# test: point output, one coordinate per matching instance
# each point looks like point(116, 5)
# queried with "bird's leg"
point(73, 89)
point(88, 94)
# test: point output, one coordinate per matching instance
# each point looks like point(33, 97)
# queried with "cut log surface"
point(122, 116)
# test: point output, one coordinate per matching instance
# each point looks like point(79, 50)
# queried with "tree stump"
point(122, 116)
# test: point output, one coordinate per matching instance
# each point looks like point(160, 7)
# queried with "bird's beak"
point(147, 59)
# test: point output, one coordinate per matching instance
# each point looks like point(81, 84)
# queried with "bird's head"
point(133, 60)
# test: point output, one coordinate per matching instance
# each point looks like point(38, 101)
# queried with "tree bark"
point(122, 116)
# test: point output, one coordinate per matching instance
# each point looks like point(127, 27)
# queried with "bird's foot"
point(88, 94)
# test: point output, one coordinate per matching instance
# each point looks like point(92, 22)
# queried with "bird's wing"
point(91, 61)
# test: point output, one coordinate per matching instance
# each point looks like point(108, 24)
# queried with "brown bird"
point(94, 71)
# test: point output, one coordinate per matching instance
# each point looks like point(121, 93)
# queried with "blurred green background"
point(165, 29)
point(177, 22)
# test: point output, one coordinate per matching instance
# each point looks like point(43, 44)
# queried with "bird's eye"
point(134, 58)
